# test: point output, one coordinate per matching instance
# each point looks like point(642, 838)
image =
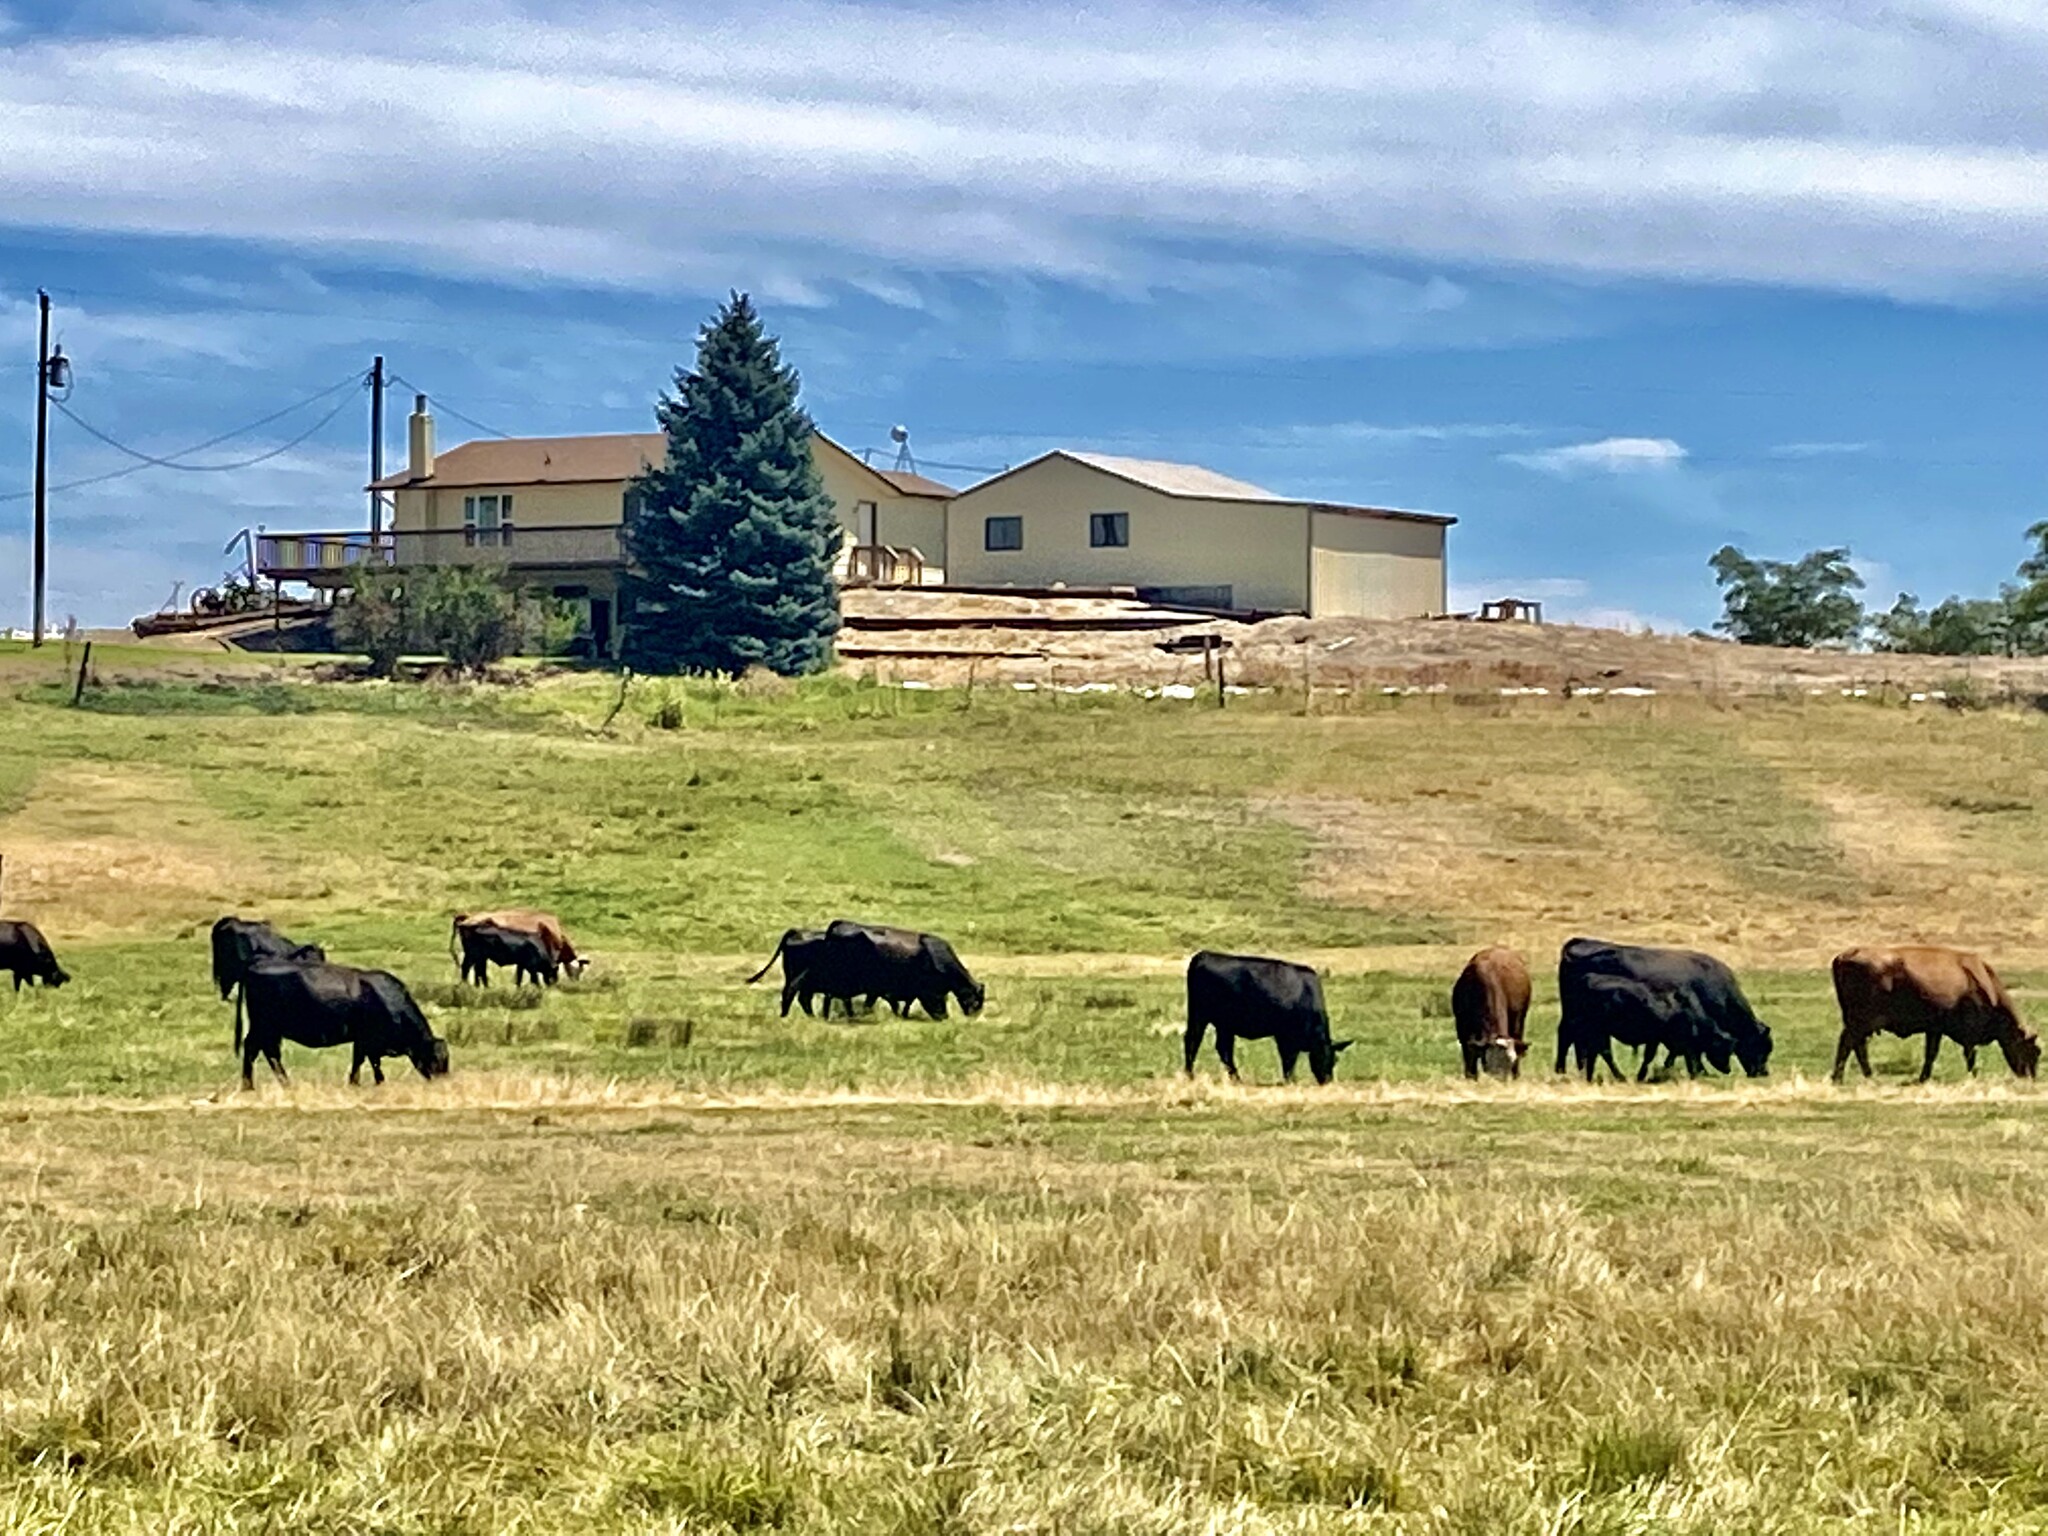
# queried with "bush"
point(469, 615)
point(375, 620)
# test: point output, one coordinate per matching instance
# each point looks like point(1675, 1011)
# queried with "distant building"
point(1181, 533)
point(549, 510)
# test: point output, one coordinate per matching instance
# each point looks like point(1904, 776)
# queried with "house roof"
point(1175, 479)
point(914, 485)
point(517, 461)
point(1193, 482)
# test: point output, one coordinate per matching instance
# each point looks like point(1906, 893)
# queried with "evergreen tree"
point(730, 543)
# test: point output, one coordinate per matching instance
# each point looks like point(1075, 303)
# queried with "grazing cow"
point(1252, 998)
point(1489, 1003)
point(239, 943)
point(544, 926)
point(1931, 990)
point(901, 965)
point(487, 944)
point(801, 951)
point(25, 952)
point(1688, 1003)
point(322, 1005)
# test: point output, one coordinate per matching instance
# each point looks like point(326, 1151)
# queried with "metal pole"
point(42, 535)
point(376, 449)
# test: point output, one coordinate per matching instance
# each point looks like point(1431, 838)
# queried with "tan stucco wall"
point(596, 505)
point(1375, 568)
point(1260, 552)
point(901, 522)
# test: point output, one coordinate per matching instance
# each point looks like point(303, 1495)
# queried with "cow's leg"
point(1970, 1059)
point(1290, 1055)
point(1643, 1066)
point(1606, 1054)
point(789, 996)
point(1226, 1051)
point(1191, 1041)
point(355, 1066)
point(249, 1054)
point(1933, 1050)
point(275, 1056)
point(1863, 1057)
point(1843, 1047)
point(377, 1070)
point(1471, 1055)
point(1563, 1044)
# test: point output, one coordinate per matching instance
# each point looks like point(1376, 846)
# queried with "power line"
point(149, 461)
point(441, 404)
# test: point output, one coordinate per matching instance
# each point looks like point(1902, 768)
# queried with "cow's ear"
point(1339, 1047)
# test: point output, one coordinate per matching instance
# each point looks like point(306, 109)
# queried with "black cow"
point(802, 953)
point(487, 944)
point(1253, 998)
point(1686, 1003)
point(322, 1005)
point(25, 952)
point(900, 965)
point(239, 943)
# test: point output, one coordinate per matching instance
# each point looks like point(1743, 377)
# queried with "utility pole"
point(42, 535)
point(376, 449)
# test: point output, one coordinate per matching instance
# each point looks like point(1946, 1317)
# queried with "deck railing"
point(883, 565)
point(332, 556)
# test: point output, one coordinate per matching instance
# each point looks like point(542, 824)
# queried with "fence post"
point(84, 662)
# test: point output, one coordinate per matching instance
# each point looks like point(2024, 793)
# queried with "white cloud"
point(1610, 455)
point(1821, 143)
point(1818, 450)
point(1630, 619)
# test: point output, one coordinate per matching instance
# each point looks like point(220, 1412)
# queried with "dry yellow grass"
point(550, 1305)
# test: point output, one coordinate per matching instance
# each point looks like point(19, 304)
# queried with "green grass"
point(654, 1258)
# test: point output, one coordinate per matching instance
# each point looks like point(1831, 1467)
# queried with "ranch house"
point(1180, 533)
point(549, 510)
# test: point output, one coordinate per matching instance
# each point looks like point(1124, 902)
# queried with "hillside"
point(653, 1258)
point(939, 637)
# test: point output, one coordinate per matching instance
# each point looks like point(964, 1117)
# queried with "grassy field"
point(656, 1259)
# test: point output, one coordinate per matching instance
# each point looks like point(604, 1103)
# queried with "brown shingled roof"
point(515, 461)
point(915, 485)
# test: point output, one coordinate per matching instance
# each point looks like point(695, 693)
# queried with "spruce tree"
point(730, 543)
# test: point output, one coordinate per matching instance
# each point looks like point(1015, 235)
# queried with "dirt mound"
point(1070, 639)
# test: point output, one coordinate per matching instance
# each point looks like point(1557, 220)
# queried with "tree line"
point(1814, 601)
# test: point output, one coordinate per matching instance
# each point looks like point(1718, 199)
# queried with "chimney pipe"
point(420, 439)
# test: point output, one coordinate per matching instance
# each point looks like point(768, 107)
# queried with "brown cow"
point(544, 926)
point(1931, 990)
point(1490, 1001)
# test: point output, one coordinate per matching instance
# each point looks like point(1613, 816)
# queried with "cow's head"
point(57, 976)
point(1502, 1056)
point(1322, 1059)
point(2022, 1053)
point(1754, 1052)
point(576, 965)
point(971, 995)
point(407, 1032)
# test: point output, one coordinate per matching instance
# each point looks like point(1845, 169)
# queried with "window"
point(1109, 530)
point(1002, 533)
point(487, 521)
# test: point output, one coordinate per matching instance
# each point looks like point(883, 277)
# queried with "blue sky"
point(1613, 284)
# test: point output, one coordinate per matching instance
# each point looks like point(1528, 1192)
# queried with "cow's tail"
point(454, 935)
point(780, 944)
point(240, 988)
